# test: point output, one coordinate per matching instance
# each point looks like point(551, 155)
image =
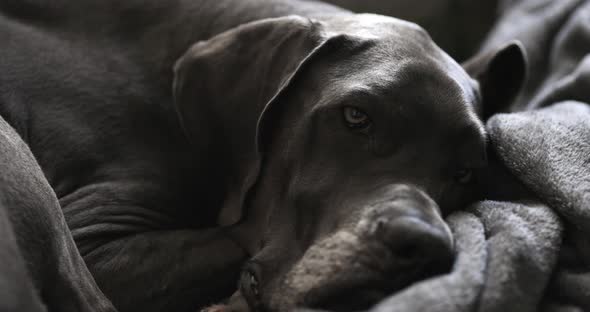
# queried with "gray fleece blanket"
point(529, 252)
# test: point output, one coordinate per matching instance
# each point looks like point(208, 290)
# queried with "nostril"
point(414, 241)
point(380, 229)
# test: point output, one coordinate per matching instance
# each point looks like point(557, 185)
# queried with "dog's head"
point(343, 142)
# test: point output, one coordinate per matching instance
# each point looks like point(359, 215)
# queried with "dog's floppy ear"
point(223, 85)
point(501, 74)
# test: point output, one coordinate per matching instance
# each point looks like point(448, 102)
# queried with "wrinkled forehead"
point(397, 48)
point(397, 38)
point(399, 67)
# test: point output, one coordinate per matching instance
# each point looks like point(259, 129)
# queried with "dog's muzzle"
point(399, 239)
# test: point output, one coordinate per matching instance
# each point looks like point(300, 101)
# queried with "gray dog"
point(322, 145)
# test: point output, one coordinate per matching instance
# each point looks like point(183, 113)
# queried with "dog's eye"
point(464, 176)
point(356, 118)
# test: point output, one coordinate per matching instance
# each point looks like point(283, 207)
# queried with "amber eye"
point(356, 118)
point(464, 176)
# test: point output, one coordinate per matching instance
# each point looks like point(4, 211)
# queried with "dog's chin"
point(344, 273)
point(360, 289)
point(354, 293)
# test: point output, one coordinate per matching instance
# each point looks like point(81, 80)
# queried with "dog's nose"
point(409, 224)
point(416, 242)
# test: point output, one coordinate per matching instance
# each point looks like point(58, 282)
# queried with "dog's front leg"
point(175, 270)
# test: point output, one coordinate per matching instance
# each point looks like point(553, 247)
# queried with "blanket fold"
point(491, 273)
